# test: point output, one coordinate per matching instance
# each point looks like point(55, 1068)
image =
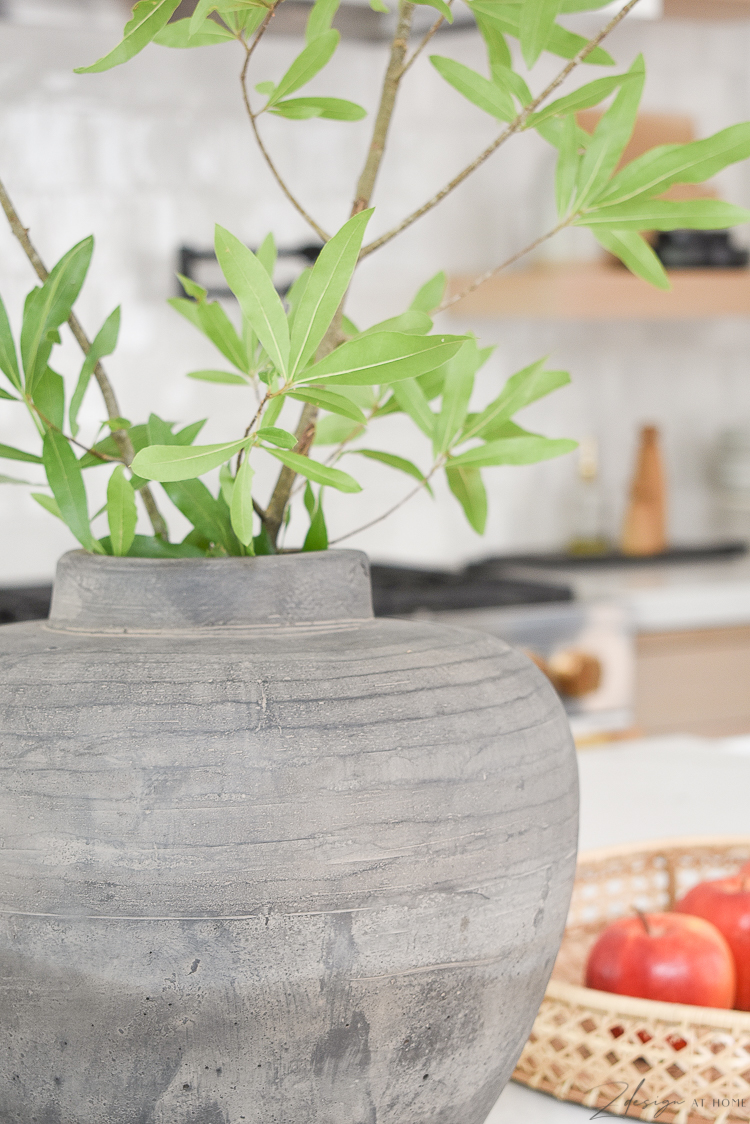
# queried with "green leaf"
point(393, 461)
point(121, 512)
point(514, 450)
point(8, 397)
point(187, 435)
point(265, 87)
point(468, 488)
point(583, 98)
point(379, 6)
point(668, 164)
point(411, 323)
point(332, 430)
point(317, 536)
point(242, 503)
point(177, 462)
point(259, 301)
point(50, 306)
point(267, 254)
point(430, 295)
point(49, 398)
point(211, 319)
point(535, 27)
point(48, 503)
point(65, 480)
point(583, 5)
point(149, 17)
point(177, 34)
point(315, 471)
point(483, 93)
point(634, 252)
point(383, 358)
point(8, 453)
point(610, 136)
point(568, 166)
point(308, 63)
point(459, 383)
point(325, 289)
point(439, 6)
point(329, 400)
point(280, 437)
point(498, 52)
point(666, 214)
point(561, 41)
point(8, 356)
point(273, 409)
point(262, 543)
point(320, 19)
point(295, 294)
point(333, 109)
point(412, 400)
point(218, 376)
point(104, 343)
point(509, 80)
point(521, 389)
point(148, 546)
point(192, 288)
point(209, 516)
point(16, 480)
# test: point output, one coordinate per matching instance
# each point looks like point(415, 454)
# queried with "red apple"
point(725, 902)
point(667, 956)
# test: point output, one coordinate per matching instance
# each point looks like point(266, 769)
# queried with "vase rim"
point(101, 593)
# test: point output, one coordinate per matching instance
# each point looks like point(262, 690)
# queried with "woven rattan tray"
point(641, 1059)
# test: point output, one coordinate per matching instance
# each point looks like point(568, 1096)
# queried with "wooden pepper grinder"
point(645, 529)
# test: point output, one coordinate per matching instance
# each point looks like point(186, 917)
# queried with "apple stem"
point(644, 920)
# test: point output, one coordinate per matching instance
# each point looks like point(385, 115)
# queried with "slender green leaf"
point(8, 453)
point(267, 254)
point(241, 507)
point(514, 450)
point(49, 503)
point(480, 91)
point(177, 34)
point(325, 289)
point(262, 543)
point(468, 488)
point(535, 27)
point(332, 109)
point(393, 461)
point(329, 400)
point(279, 437)
point(8, 397)
point(583, 98)
point(379, 6)
point(258, 299)
point(49, 307)
point(65, 480)
point(176, 462)
point(634, 252)
point(411, 322)
point(295, 294)
point(315, 471)
point(149, 17)
point(668, 164)
point(333, 430)
point(121, 511)
point(308, 63)
point(104, 343)
point(49, 398)
point(430, 295)
point(459, 383)
point(138, 434)
point(561, 41)
point(413, 401)
point(8, 356)
point(610, 136)
point(383, 358)
point(509, 80)
point(568, 166)
point(317, 535)
point(320, 19)
point(666, 214)
point(218, 376)
point(273, 409)
point(187, 435)
point(583, 5)
point(148, 546)
point(16, 480)
point(521, 389)
point(192, 288)
point(498, 52)
point(211, 319)
point(209, 516)
point(439, 6)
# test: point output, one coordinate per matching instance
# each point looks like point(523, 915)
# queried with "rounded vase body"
point(266, 858)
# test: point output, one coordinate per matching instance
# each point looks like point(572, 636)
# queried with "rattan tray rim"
point(579, 996)
point(669, 842)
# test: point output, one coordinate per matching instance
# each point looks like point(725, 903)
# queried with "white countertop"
point(664, 597)
point(666, 786)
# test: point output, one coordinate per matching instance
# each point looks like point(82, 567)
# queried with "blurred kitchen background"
point(149, 156)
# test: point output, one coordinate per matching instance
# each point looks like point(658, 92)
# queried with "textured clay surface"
point(264, 871)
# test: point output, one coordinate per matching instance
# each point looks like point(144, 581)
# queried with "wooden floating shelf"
point(600, 291)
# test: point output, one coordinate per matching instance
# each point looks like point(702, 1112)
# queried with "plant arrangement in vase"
point(265, 857)
point(308, 351)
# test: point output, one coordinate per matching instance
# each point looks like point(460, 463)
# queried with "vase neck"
point(103, 594)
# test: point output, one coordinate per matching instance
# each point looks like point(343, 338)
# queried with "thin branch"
point(390, 511)
point(393, 75)
point(503, 265)
point(515, 126)
point(259, 141)
point(72, 440)
point(120, 436)
point(428, 35)
point(259, 35)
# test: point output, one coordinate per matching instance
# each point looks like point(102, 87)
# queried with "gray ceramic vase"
point(266, 858)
